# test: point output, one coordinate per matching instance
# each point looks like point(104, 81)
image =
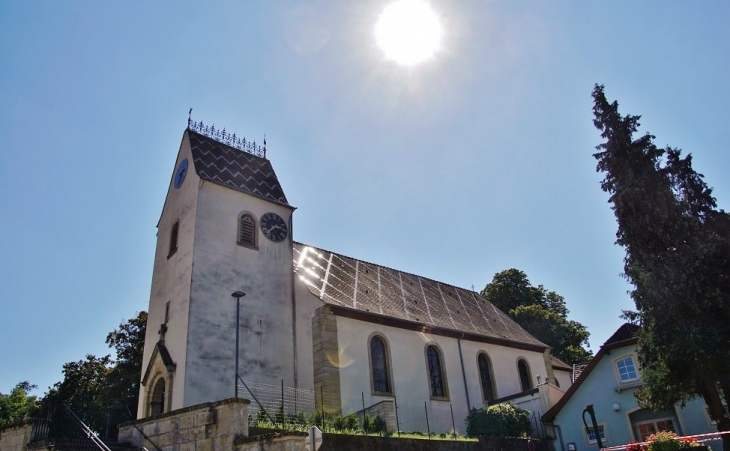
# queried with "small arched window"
point(247, 230)
point(157, 402)
point(436, 372)
point(173, 238)
point(485, 375)
point(379, 365)
point(525, 379)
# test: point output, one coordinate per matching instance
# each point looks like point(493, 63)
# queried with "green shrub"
point(669, 441)
point(500, 420)
point(378, 424)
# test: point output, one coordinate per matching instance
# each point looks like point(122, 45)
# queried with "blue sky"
point(474, 162)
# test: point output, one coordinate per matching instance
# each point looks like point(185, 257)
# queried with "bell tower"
point(225, 227)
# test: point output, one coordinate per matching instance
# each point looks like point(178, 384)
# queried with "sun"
point(409, 32)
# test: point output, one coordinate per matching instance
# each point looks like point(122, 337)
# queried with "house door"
point(646, 422)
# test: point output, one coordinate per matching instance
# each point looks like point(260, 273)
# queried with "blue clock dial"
point(274, 227)
point(180, 173)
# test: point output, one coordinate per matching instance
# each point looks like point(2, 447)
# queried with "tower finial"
point(264, 145)
point(190, 117)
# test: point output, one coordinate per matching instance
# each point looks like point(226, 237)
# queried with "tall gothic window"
point(247, 230)
point(485, 375)
point(173, 238)
point(379, 364)
point(435, 372)
point(525, 379)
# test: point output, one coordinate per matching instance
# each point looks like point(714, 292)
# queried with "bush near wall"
point(499, 420)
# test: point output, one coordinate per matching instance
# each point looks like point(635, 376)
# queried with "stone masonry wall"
point(16, 437)
point(384, 410)
point(326, 361)
point(203, 427)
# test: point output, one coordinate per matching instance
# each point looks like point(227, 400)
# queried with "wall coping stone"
point(240, 439)
point(173, 413)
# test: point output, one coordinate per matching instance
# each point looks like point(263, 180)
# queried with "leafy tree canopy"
point(541, 312)
point(16, 405)
point(677, 258)
point(103, 385)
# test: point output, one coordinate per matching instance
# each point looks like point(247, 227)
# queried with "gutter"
point(463, 373)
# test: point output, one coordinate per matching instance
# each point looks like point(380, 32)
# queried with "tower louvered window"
point(173, 238)
point(247, 230)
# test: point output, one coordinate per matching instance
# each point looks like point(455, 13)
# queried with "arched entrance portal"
point(157, 400)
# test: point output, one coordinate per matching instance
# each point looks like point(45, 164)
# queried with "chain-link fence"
point(278, 404)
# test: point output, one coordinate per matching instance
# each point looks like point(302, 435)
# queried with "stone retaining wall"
point(203, 427)
point(338, 442)
point(385, 410)
point(15, 437)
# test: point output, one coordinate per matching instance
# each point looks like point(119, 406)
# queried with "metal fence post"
point(428, 427)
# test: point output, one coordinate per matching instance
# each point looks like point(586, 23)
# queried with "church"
point(357, 335)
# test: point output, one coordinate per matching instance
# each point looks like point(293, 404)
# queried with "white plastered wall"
point(171, 276)
point(220, 267)
point(410, 376)
point(564, 378)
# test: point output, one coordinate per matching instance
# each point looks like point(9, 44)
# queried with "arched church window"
point(157, 401)
point(485, 375)
point(247, 230)
point(525, 379)
point(436, 372)
point(379, 365)
point(173, 238)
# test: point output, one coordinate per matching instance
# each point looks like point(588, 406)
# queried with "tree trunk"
point(725, 424)
point(712, 398)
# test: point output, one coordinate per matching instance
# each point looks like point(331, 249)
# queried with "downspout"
point(463, 372)
point(293, 300)
point(560, 435)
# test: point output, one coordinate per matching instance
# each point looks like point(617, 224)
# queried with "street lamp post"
point(238, 295)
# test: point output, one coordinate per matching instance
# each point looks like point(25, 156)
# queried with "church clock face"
point(180, 173)
point(274, 227)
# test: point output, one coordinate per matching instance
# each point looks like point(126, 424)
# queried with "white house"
point(353, 333)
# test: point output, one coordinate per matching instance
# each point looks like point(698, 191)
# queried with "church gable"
point(376, 290)
point(234, 168)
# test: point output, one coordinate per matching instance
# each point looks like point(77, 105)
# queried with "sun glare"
point(409, 32)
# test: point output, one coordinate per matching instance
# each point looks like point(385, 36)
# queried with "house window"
point(173, 238)
point(247, 230)
point(525, 379)
point(485, 375)
point(435, 372)
point(379, 366)
point(713, 421)
point(646, 428)
point(591, 435)
point(626, 369)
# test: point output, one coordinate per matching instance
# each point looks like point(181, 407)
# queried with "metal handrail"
point(89, 433)
point(257, 401)
point(143, 434)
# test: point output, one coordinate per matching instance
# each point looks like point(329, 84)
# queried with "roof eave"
point(377, 318)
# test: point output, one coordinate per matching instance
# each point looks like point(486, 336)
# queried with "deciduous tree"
point(541, 312)
point(17, 404)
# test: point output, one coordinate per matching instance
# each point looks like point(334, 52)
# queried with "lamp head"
point(238, 294)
